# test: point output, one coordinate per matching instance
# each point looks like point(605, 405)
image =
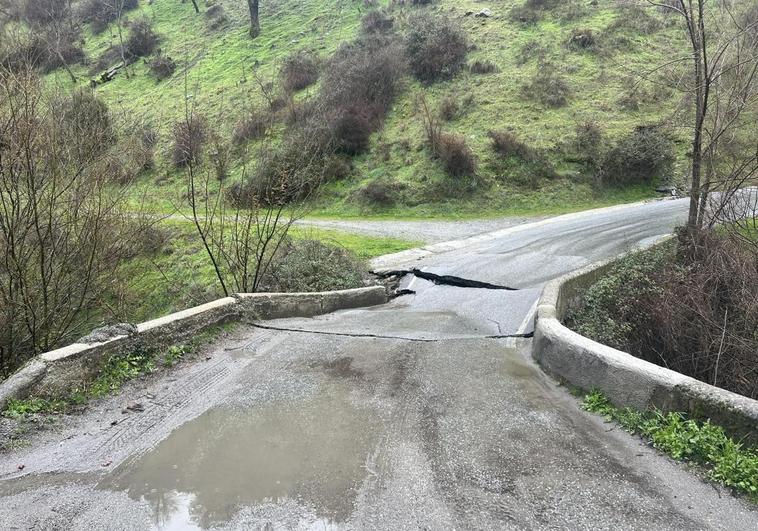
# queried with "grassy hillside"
point(220, 69)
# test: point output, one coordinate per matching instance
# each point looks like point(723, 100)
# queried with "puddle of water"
point(311, 451)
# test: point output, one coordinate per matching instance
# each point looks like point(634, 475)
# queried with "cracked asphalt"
point(418, 414)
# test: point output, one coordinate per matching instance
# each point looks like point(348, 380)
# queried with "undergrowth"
point(727, 461)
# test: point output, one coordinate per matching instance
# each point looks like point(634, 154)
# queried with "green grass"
point(219, 72)
point(727, 461)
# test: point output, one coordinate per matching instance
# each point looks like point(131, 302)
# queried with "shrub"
point(588, 141)
point(351, 129)
point(582, 38)
point(60, 51)
point(482, 67)
point(336, 168)
point(253, 126)
point(530, 50)
point(100, 13)
point(436, 48)
point(215, 17)
point(162, 67)
point(548, 87)
point(448, 108)
point(524, 15)
point(638, 158)
point(142, 39)
point(45, 11)
point(299, 71)
point(456, 156)
point(189, 139)
point(377, 22)
point(310, 265)
point(506, 144)
point(381, 192)
point(88, 123)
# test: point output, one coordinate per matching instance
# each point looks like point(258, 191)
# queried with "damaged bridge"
point(424, 412)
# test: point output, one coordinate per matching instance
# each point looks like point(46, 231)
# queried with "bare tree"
point(60, 240)
point(721, 81)
point(255, 26)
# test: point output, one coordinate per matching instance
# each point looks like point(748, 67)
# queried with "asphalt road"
point(418, 414)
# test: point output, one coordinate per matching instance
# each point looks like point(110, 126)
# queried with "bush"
point(87, 123)
point(448, 108)
point(548, 87)
point(162, 67)
point(506, 144)
point(45, 11)
point(483, 67)
point(298, 72)
point(351, 129)
point(142, 40)
point(100, 13)
point(252, 127)
point(530, 50)
point(524, 15)
point(310, 265)
point(638, 158)
point(582, 38)
point(456, 156)
point(40, 49)
point(215, 17)
point(377, 22)
point(189, 139)
point(436, 48)
point(692, 308)
point(588, 141)
point(381, 192)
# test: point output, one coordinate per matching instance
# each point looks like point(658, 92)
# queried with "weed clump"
point(253, 126)
point(381, 192)
point(583, 39)
point(448, 108)
point(436, 48)
point(456, 156)
point(483, 67)
point(377, 22)
point(506, 144)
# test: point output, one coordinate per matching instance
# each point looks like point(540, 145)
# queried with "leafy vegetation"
point(727, 461)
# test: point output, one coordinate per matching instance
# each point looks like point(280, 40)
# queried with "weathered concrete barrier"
point(60, 371)
point(625, 379)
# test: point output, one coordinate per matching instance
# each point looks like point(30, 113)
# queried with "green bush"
point(310, 265)
point(610, 310)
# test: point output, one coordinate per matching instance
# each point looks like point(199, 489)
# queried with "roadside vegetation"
point(724, 460)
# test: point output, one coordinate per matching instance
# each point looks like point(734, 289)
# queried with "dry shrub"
point(253, 126)
point(588, 141)
point(299, 71)
point(190, 136)
point(45, 11)
point(142, 40)
point(456, 156)
point(506, 144)
point(582, 39)
point(352, 128)
point(483, 67)
point(100, 13)
point(215, 17)
point(377, 22)
point(448, 108)
point(42, 49)
point(162, 66)
point(638, 158)
point(548, 87)
point(381, 192)
point(694, 311)
point(88, 124)
point(436, 48)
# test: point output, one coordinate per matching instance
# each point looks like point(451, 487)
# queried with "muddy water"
point(311, 451)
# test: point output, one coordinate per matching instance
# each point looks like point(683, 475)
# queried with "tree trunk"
point(255, 26)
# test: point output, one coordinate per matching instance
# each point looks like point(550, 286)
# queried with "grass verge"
point(727, 461)
point(116, 371)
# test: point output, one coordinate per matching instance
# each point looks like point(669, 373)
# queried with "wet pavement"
point(417, 414)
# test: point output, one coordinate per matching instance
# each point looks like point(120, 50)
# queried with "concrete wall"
point(625, 379)
point(58, 372)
